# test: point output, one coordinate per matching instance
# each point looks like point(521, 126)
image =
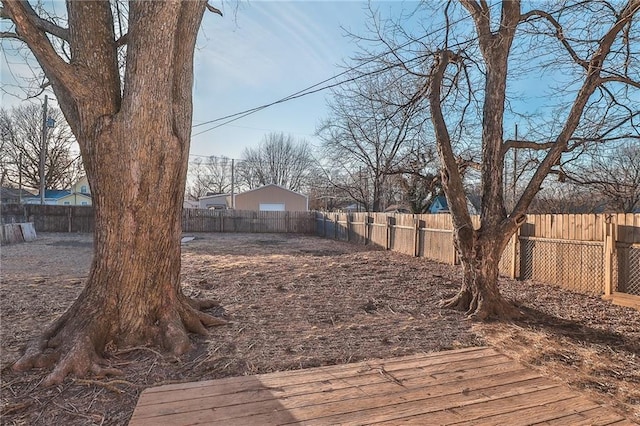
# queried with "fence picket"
point(565, 250)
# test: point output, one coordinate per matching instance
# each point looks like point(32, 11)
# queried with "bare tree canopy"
point(279, 159)
point(123, 78)
point(209, 175)
point(419, 178)
point(614, 174)
point(481, 64)
point(371, 129)
point(21, 133)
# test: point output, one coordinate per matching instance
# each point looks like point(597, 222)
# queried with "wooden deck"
point(470, 386)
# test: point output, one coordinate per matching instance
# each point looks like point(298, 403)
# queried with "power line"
point(216, 157)
point(314, 88)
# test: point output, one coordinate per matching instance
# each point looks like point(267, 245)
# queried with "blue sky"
point(259, 52)
point(262, 52)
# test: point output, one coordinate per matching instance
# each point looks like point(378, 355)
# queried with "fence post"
point(287, 220)
point(348, 227)
point(367, 229)
point(515, 270)
point(324, 225)
point(609, 253)
point(416, 236)
point(388, 243)
point(335, 227)
point(69, 218)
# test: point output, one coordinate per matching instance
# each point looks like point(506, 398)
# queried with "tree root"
point(77, 356)
point(459, 302)
point(73, 344)
point(478, 309)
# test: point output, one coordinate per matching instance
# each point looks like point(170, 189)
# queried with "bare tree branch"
point(41, 24)
point(23, 16)
point(214, 9)
point(520, 144)
point(591, 82)
point(559, 34)
point(621, 79)
point(451, 177)
point(9, 34)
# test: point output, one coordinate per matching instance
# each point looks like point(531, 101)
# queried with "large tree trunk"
point(479, 295)
point(133, 295)
point(135, 146)
point(479, 250)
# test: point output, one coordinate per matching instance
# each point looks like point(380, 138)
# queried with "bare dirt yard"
point(296, 302)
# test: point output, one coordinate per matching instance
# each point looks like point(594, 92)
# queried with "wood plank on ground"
point(290, 381)
point(465, 386)
point(330, 387)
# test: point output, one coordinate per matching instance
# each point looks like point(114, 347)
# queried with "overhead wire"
point(314, 88)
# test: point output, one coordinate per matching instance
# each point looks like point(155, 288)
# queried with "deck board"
point(471, 386)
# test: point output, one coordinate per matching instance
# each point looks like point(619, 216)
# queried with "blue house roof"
point(55, 193)
point(439, 205)
point(52, 194)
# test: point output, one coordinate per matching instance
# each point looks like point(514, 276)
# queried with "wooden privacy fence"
point(201, 220)
point(48, 218)
point(593, 254)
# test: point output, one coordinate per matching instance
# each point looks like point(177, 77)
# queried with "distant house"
point(398, 208)
point(81, 186)
point(353, 208)
point(13, 195)
point(440, 205)
point(215, 201)
point(190, 204)
point(51, 197)
point(75, 199)
point(78, 195)
point(272, 198)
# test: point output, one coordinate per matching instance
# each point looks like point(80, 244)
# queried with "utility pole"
point(20, 178)
point(233, 195)
point(43, 149)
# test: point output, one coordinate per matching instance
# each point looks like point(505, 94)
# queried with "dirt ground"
point(298, 302)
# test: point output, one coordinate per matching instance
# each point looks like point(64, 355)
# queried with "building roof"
point(274, 185)
point(74, 194)
point(206, 197)
point(56, 193)
point(53, 193)
point(7, 193)
point(440, 205)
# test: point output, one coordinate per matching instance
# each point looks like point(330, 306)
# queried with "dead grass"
point(298, 302)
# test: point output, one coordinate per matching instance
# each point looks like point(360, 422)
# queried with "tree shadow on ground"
point(577, 331)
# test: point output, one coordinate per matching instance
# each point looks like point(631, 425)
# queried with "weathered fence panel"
point(17, 232)
point(47, 218)
point(437, 238)
point(569, 250)
point(379, 230)
point(626, 254)
point(201, 220)
point(571, 264)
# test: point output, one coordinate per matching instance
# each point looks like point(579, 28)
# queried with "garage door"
point(271, 207)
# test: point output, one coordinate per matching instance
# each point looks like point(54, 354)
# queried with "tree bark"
point(479, 296)
point(135, 146)
point(479, 249)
